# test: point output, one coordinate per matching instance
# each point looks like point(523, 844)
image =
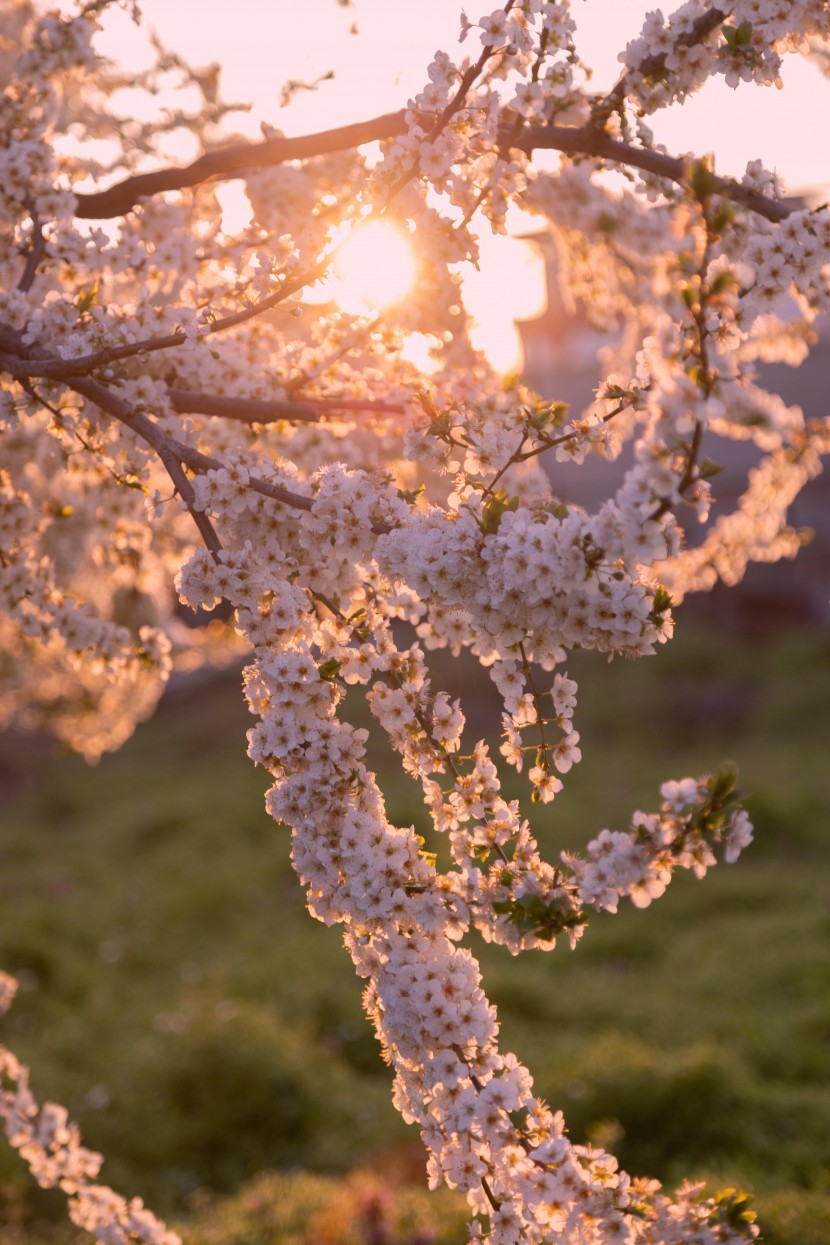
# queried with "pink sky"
point(261, 43)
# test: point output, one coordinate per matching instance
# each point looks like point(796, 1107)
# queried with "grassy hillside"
point(208, 1035)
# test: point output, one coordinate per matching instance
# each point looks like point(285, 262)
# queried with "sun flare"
point(375, 267)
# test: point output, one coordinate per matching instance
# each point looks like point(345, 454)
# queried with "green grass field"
point(208, 1036)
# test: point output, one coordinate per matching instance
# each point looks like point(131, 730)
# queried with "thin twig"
point(172, 465)
point(61, 369)
point(165, 445)
point(450, 110)
point(186, 491)
point(295, 384)
point(113, 404)
point(36, 252)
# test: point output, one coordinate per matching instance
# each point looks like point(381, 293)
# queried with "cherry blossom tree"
point(180, 427)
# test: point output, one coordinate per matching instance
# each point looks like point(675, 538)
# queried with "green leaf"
point(494, 508)
point(411, 495)
point(732, 1207)
point(518, 1118)
point(613, 393)
point(723, 215)
point(87, 298)
point(723, 782)
point(662, 601)
point(702, 180)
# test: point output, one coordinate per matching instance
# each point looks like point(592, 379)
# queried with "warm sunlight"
point(374, 268)
point(509, 286)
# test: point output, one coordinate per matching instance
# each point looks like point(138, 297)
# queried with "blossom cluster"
point(338, 515)
point(403, 918)
point(51, 1146)
point(673, 57)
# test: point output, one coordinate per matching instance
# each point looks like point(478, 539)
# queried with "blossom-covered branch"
point(165, 421)
point(591, 141)
point(51, 1145)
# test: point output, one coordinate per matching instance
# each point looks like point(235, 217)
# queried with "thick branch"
point(229, 162)
point(169, 449)
point(263, 411)
point(587, 141)
point(234, 161)
point(244, 410)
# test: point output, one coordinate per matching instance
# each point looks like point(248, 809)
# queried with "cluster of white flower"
point(672, 58)
point(528, 69)
point(639, 864)
point(51, 1146)
point(300, 472)
point(548, 581)
point(403, 918)
point(114, 663)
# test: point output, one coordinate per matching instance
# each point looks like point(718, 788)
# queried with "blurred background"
point(208, 1036)
point(207, 1033)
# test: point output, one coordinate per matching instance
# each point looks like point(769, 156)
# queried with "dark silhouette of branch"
point(244, 410)
point(265, 411)
point(173, 453)
point(187, 493)
point(170, 449)
point(589, 141)
point(37, 249)
point(234, 161)
point(230, 162)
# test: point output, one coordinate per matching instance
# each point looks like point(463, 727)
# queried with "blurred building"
point(561, 363)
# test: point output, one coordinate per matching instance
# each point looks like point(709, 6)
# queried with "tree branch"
point(244, 410)
point(170, 450)
point(167, 447)
point(588, 141)
point(234, 161)
point(37, 248)
point(113, 404)
point(263, 411)
point(230, 162)
point(52, 367)
point(186, 491)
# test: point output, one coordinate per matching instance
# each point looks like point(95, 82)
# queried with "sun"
point(374, 268)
